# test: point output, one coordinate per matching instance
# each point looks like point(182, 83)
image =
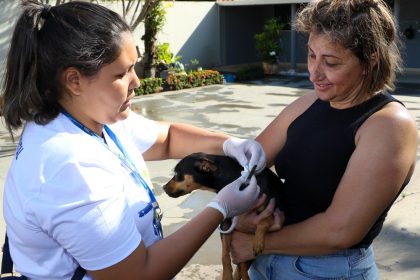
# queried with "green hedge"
point(149, 86)
point(177, 81)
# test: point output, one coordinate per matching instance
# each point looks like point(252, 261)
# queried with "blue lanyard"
point(135, 175)
point(129, 163)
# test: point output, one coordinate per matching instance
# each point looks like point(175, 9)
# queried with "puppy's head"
point(193, 172)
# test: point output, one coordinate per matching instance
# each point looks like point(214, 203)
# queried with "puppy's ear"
point(204, 157)
point(204, 166)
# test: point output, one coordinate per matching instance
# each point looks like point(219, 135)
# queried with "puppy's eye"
point(175, 175)
point(178, 177)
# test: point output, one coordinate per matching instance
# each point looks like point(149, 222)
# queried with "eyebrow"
point(325, 55)
point(129, 66)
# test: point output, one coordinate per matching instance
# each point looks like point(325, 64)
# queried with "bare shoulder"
point(297, 107)
point(390, 135)
point(294, 109)
point(393, 119)
point(302, 103)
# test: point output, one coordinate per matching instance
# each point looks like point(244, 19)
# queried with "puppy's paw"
point(258, 247)
point(227, 275)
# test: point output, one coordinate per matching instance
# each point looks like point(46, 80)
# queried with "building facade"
point(241, 19)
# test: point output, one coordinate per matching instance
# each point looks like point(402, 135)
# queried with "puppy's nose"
point(167, 187)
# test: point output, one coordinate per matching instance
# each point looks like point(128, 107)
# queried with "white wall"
point(192, 31)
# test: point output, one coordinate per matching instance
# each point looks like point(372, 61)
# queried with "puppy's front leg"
point(243, 271)
point(226, 261)
point(237, 273)
point(259, 238)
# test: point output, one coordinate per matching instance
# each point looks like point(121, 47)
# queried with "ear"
point(72, 80)
point(204, 166)
point(374, 59)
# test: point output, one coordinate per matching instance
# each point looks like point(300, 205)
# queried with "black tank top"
point(318, 147)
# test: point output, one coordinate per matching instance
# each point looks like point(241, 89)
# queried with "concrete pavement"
point(243, 110)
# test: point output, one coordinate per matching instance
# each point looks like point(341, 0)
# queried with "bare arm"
point(164, 259)
point(176, 140)
point(383, 160)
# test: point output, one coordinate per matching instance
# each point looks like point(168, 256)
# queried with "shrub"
point(177, 81)
point(149, 86)
point(267, 43)
point(165, 54)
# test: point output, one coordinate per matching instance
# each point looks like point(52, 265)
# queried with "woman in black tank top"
point(345, 151)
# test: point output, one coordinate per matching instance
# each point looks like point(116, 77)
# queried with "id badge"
point(157, 225)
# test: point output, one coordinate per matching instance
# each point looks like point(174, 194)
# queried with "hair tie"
point(45, 11)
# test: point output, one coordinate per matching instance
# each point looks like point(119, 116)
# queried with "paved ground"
point(244, 110)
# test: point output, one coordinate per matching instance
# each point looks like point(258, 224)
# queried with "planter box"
point(270, 68)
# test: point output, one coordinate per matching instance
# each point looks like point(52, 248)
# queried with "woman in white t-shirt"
point(78, 194)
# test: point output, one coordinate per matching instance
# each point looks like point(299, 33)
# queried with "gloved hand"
point(231, 201)
point(247, 152)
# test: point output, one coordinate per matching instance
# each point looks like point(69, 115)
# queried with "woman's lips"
point(126, 104)
point(322, 87)
point(129, 99)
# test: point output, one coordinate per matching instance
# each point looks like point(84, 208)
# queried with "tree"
point(153, 23)
point(141, 9)
point(145, 10)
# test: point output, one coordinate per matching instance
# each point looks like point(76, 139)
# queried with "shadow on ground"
point(398, 249)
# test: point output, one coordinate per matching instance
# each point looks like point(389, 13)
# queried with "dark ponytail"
point(47, 40)
point(20, 90)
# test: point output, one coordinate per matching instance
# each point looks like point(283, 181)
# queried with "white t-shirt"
point(69, 200)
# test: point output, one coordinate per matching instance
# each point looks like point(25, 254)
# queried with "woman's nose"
point(135, 83)
point(316, 72)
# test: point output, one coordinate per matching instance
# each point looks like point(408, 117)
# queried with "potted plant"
point(268, 45)
point(167, 63)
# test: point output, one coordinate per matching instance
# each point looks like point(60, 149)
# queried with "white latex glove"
point(231, 201)
point(247, 152)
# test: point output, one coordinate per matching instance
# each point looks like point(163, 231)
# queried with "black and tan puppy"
point(212, 173)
